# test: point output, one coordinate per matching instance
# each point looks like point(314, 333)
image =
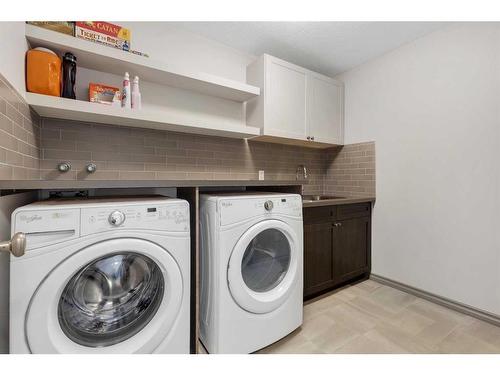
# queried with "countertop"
point(337, 201)
point(123, 184)
point(120, 184)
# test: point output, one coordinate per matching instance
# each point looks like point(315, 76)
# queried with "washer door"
point(262, 269)
point(116, 296)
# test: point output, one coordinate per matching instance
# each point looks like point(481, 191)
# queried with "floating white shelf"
point(69, 109)
point(111, 60)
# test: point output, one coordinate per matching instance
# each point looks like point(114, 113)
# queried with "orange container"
point(43, 72)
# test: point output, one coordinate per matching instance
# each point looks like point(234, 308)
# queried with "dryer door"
point(263, 267)
point(116, 296)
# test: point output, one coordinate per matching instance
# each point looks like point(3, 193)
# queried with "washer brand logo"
point(29, 219)
point(227, 204)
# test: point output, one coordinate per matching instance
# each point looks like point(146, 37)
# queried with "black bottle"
point(69, 76)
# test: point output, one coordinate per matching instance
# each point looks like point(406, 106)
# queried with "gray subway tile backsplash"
point(31, 148)
point(19, 136)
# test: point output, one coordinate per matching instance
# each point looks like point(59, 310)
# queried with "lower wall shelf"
point(68, 109)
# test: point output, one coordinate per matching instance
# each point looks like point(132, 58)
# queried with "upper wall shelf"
point(111, 60)
point(77, 110)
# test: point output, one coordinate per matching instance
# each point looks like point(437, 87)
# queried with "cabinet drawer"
point(350, 211)
point(319, 214)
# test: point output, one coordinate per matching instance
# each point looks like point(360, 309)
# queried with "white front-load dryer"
point(101, 276)
point(251, 270)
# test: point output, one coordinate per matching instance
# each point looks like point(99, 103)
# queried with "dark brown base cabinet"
point(337, 246)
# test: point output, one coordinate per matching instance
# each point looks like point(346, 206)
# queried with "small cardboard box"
point(99, 93)
point(104, 33)
point(64, 27)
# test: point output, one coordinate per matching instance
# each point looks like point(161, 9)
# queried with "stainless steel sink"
point(315, 198)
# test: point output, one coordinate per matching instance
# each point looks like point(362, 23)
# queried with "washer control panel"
point(172, 217)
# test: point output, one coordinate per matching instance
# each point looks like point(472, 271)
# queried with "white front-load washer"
point(251, 270)
point(101, 276)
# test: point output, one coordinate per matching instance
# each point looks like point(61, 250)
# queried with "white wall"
point(432, 107)
point(12, 49)
point(165, 42)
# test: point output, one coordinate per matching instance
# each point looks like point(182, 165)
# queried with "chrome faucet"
point(301, 169)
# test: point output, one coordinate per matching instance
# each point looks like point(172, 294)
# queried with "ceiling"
point(326, 47)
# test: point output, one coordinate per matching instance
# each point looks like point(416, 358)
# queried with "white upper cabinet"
point(325, 101)
point(286, 96)
point(296, 105)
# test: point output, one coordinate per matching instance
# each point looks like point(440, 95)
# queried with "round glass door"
point(111, 299)
point(266, 260)
point(263, 268)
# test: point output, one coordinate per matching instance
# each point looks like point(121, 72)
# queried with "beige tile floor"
point(373, 318)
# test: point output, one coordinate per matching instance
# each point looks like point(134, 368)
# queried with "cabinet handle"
point(308, 138)
point(337, 225)
point(312, 138)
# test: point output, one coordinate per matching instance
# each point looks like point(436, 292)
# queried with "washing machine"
point(251, 270)
point(101, 276)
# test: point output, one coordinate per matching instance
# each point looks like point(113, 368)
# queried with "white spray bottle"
point(136, 94)
point(126, 103)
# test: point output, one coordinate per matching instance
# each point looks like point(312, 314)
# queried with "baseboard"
point(454, 305)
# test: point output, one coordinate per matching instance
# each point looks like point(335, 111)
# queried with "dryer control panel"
point(236, 209)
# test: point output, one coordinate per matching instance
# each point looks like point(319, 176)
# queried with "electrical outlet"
point(261, 175)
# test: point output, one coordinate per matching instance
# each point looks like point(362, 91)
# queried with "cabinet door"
point(285, 100)
point(351, 248)
point(318, 272)
point(325, 103)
